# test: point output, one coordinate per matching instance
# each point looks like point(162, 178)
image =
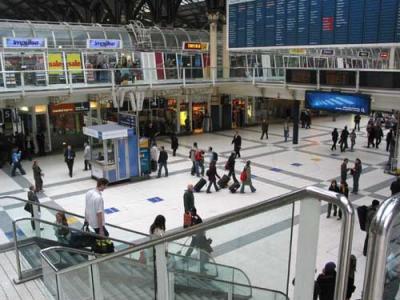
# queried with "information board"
point(302, 23)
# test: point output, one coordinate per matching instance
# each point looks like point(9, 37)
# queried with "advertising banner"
point(74, 63)
point(56, 64)
point(24, 43)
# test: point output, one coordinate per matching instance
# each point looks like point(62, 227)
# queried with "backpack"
point(197, 155)
point(243, 175)
point(215, 156)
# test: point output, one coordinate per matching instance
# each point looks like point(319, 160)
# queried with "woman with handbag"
point(245, 178)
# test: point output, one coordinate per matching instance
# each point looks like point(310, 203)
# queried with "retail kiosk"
point(115, 153)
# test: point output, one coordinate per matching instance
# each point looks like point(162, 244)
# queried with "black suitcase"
point(223, 182)
point(199, 185)
point(234, 187)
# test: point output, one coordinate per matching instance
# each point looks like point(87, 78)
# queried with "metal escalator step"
point(137, 292)
point(112, 292)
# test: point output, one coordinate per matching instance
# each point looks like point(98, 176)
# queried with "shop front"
point(200, 117)
point(238, 112)
point(66, 122)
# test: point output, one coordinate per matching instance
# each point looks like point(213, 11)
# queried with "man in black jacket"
point(371, 212)
point(230, 166)
point(162, 162)
point(69, 157)
point(264, 128)
point(343, 139)
point(335, 136)
point(237, 143)
point(212, 177)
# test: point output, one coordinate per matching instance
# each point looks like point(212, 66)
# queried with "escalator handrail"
point(93, 234)
point(70, 213)
point(239, 284)
point(222, 265)
point(290, 198)
point(44, 255)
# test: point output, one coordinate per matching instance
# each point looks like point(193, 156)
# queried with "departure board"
point(288, 23)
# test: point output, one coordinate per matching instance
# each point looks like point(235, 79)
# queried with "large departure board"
point(288, 23)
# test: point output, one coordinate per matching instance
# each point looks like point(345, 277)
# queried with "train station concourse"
point(193, 150)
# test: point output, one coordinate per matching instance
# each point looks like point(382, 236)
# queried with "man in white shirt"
point(94, 210)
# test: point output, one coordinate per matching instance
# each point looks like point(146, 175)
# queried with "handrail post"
point(161, 272)
point(18, 261)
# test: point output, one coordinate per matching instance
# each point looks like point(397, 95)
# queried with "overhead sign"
point(24, 43)
point(327, 52)
point(363, 53)
point(311, 23)
point(195, 46)
point(384, 55)
point(297, 51)
point(69, 107)
point(103, 44)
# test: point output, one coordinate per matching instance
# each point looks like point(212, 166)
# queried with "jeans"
point(15, 166)
point(232, 173)
point(211, 182)
point(343, 146)
point(352, 145)
point(70, 164)
point(334, 210)
point(357, 126)
point(87, 165)
point(160, 166)
point(252, 188)
point(334, 145)
point(196, 168)
point(356, 180)
point(286, 134)
point(264, 132)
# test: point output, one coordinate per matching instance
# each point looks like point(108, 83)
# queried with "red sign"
point(62, 108)
point(327, 23)
point(384, 55)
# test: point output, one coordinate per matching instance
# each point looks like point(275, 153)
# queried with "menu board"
point(288, 23)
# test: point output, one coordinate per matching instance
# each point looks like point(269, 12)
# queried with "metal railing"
point(253, 210)
point(383, 246)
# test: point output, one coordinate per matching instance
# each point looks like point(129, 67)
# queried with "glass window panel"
point(63, 38)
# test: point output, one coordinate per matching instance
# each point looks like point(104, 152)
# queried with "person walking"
point(371, 212)
point(37, 176)
point(356, 172)
point(395, 186)
point(335, 137)
point(353, 137)
point(94, 208)
point(212, 177)
point(188, 199)
point(192, 156)
point(344, 169)
point(16, 162)
point(343, 139)
point(389, 138)
point(200, 161)
point(174, 144)
point(333, 188)
point(357, 120)
point(69, 157)
point(286, 129)
point(32, 196)
point(325, 284)
point(162, 162)
point(87, 157)
point(371, 135)
point(378, 135)
point(245, 178)
point(153, 157)
point(264, 128)
point(237, 143)
point(230, 166)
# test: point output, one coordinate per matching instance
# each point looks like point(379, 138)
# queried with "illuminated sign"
point(327, 52)
point(195, 46)
point(28, 43)
point(103, 44)
point(74, 63)
point(297, 51)
point(56, 64)
point(384, 55)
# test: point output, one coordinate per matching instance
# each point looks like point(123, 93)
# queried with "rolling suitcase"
point(234, 187)
point(223, 182)
point(199, 185)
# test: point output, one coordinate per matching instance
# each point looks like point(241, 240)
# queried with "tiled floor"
point(260, 241)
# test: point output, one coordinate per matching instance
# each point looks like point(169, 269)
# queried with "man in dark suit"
point(69, 156)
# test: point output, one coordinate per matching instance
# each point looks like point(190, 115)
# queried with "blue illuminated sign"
point(103, 44)
point(26, 43)
point(338, 102)
point(301, 23)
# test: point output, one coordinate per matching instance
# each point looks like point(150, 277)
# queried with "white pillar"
point(307, 246)
point(162, 273)
point(225, 52)
point(392, 57)
point(213, 18)
point(48, 130)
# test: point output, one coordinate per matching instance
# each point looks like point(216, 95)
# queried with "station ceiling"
point(176, 13)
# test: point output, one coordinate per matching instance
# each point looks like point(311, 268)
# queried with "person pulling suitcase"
point(212, 177)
